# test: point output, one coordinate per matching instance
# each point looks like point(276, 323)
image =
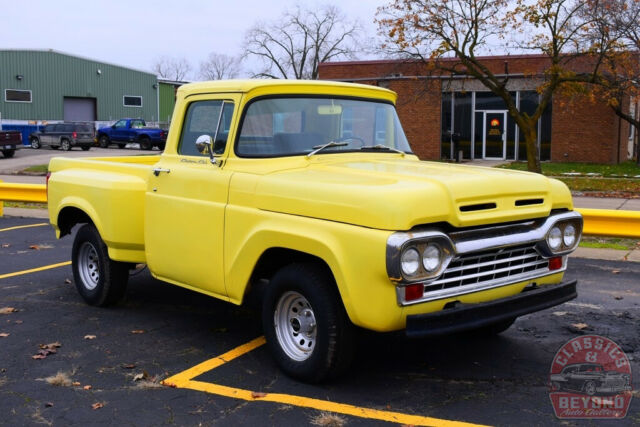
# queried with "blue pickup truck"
point(132, 130)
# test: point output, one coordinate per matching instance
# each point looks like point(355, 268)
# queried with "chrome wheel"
point(65, 145)
point(295, 326)
point(590, 388)
point(88, 266)
point(35, 143)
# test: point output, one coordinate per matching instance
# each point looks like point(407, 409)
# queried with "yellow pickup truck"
point(309, 193)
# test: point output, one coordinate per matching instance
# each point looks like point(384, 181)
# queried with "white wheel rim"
point(88, 266)
point(295, 326)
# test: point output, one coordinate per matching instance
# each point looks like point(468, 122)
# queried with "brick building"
point(433, 108)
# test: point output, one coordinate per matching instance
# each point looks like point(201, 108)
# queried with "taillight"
point(47, 182)
point(74, 134)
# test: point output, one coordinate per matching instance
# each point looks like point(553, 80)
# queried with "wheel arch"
point(72, 215)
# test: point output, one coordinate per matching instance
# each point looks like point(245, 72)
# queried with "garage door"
point(79, 109)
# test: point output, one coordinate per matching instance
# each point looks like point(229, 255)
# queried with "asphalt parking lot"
point(111, 361)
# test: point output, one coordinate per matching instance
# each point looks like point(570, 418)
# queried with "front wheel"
point(65, 145)
point(8, 153)
point(306, 326)
point(99, 280)
point(35, 143)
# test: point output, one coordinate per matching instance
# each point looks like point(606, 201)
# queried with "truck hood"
point(401, 193)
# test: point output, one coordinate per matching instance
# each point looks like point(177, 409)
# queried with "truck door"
point(119, 132)
point(187, 196)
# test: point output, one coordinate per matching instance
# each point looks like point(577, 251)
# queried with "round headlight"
point(432, 258)
point(569, 235)
point(554, 238)
point(410, 261)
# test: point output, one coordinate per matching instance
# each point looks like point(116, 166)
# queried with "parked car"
point(590, 378)
point(284, 190)
point(132, 130)
point(64, 136)
point(10, 141)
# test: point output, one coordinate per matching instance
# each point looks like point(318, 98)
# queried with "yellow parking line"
point(184, 380)
point(34, 270)
point(24, 226)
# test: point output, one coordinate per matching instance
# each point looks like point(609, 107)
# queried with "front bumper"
point(464, 317)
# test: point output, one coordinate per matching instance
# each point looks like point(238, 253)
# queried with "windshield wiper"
point(318, 148)
point(382, 147)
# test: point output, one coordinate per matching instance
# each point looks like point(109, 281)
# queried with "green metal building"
point(46, 85)
point(167, 99)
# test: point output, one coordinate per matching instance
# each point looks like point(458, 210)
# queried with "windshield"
point(296, 126)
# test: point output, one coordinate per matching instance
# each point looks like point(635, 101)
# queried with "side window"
point(58, 128)
point(137, 124)
point(67, 128)
point(120, 124)
point(48, 128)
point(205, 118)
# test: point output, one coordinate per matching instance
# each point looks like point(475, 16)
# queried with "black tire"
point(99, 280)
point(122, 145)
point(35, 143)
point(86, 148)
point(333, 341)
point(65, 145)
point(103, 141)
point(8, 153)
point(145, 143)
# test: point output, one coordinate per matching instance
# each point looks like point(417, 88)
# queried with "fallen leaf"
point(138, 331)
point(75, 383)
point(580, 326)
point(89, 337)
point(168, 384)
point(67, 281)
point(51, 346)
point(257, 394)
point(34, 247)
point(4, 334)
point(615, 271)
point(38, 356)
point(18, 322)
point(48, 405)
point(7, 310)
point(618, 298)
point(559, 313)
point(97, 405)
point(87, 387)
point(140, 376)
point(5, 245)
point(129, 366)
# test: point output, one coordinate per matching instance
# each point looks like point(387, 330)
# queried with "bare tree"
point(294, 45)
point(170, 68)
point(617, 22)
point(219, 67)
point(448, 36)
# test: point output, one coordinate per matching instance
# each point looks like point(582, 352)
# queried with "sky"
point(134, 33)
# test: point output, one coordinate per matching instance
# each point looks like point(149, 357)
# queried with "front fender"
point(355, 255)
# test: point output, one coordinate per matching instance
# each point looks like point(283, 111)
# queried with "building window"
point(16, 95)
point(132, 101)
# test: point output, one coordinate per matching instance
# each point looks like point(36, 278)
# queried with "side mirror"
point(204, 145)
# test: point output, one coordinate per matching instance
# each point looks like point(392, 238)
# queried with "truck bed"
point(110, 190)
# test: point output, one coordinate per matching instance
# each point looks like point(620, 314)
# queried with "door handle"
point(158, 171)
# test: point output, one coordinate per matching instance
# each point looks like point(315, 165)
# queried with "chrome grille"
point(475, 270)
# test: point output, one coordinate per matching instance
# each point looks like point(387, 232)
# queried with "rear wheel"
point(8, 153)
point(65, 145)
point(35, 143)
point(103, 141)
point(145, 143)
point(306, 326)
point(99, 280)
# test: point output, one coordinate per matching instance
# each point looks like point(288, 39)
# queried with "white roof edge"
point(79, 57)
